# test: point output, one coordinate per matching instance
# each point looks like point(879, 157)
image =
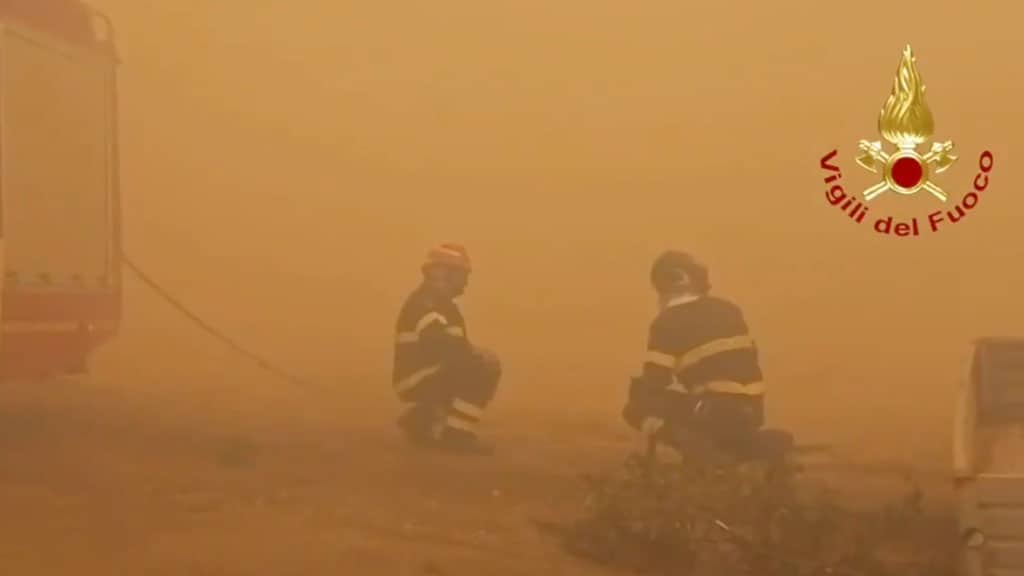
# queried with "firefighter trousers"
point(456, 397)
point(729, 422)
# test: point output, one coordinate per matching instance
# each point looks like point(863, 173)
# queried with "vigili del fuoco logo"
point(905, 122)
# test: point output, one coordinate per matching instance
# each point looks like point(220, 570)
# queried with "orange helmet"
point(451, 255)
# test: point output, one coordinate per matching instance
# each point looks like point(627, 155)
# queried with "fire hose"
point(205, 326)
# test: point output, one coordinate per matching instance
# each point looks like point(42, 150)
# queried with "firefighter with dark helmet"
point(445, 380)
point(701, 373)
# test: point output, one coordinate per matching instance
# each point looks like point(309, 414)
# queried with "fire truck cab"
point(60, 227)
point(988, 459)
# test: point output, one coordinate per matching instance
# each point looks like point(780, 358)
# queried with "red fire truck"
point(60, 232)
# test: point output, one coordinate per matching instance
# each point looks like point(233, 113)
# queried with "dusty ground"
point(96, 481)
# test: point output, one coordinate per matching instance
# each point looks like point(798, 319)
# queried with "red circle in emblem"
point(907, 172)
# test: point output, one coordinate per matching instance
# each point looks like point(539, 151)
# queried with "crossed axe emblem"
point(936, 161)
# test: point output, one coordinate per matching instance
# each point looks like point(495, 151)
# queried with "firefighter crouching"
point(701, 375)
point(445, 380)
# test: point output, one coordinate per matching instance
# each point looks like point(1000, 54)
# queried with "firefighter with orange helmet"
point(701, 373)
point(446, 381)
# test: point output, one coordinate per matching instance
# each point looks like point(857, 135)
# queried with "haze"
point(287, 164)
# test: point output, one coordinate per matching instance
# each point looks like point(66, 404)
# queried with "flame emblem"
point(906, 122)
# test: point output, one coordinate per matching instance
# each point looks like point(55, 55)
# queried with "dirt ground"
point(98, 481)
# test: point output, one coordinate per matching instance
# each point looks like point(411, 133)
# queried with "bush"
point(708, 516)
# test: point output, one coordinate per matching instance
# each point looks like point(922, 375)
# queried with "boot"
point(462, 442)
point(418, 424)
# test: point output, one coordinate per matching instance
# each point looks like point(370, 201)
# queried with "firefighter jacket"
point(430, 336)
point(702, 345)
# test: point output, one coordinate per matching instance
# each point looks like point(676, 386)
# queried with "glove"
point(640, 407)
point(632, 415)
point(636, 407)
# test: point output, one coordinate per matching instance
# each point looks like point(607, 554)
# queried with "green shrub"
point(708, 516)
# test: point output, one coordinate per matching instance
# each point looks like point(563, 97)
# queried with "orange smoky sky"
point(287, 164)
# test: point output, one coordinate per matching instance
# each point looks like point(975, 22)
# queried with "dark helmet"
point(676, 271)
